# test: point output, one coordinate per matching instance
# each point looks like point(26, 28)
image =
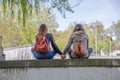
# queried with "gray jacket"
point(74, 39)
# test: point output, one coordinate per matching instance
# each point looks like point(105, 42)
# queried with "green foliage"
point(20, 19)
point(24, 10)
point(16, 34)
point(12, 34)
point(27, 6)
point(116, 31)
point(4, 5)
point(103, 41)
point(63, 36)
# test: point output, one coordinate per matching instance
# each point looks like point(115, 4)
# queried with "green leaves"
point(115, 29)
point(27, 6)
point(24, 10)
point(103, 41)
point(15, 34)
point(4, 6)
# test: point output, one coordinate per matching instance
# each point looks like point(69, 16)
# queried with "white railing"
point(24, 53)
point(19, 53)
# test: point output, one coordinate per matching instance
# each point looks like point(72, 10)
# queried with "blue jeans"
point(48, 55)
point(89, 52)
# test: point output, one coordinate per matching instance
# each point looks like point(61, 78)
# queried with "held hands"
point(63, 56)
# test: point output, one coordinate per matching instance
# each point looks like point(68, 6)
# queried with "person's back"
point(79, 37)
point(41, 48)
point(79, 40)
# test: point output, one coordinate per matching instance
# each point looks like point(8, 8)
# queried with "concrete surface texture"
point(55, 69)
point(71, 73)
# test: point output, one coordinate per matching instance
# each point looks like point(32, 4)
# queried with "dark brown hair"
point(78, 27)
point(42, 30)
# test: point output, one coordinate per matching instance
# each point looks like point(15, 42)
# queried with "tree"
point(25, 7)
point(11, 33)
point(116, 31)
point(95, 32)
point(15, 34)
point(62, 37)
point(97, 37)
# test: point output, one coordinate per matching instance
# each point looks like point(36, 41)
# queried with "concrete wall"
point(71, 73)
point(92, 69)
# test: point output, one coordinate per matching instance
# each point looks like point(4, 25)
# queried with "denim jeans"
point(48, 55)
point(89, 52)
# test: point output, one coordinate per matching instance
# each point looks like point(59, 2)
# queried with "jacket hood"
point(78, 32)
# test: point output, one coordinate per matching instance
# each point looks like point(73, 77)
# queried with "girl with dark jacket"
point(43, 30)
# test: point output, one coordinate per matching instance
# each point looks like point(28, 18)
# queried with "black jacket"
point(51, 40)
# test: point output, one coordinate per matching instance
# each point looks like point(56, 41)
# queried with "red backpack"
point(42, 45)
point(79, 50)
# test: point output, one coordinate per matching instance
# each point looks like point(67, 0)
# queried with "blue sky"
point(106, 11)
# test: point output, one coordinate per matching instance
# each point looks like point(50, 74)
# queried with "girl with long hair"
point(43, 31)
point(78, 36)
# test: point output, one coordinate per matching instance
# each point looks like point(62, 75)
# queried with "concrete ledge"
point(61, 63)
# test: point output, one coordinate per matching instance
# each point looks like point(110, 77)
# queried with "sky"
point(88, 11)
